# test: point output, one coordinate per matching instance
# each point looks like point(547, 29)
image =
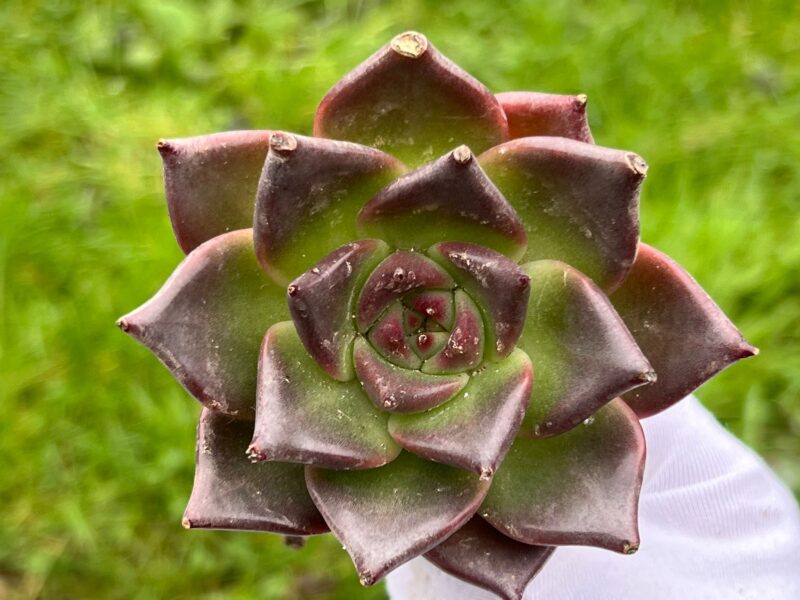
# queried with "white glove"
point(715, 524)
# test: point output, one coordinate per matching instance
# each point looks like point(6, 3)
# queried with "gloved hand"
point(715, 524)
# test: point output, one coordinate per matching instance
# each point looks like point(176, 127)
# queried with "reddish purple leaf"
point(482, 556)
point(410, 101)
point(577, 488)
point(207, 321)
point(428, 343)
point(396, 389)
point(322, 299)
point(535, 114)
point(475, 429)
point(499, 285)
point(434, 304)
point(579, 202)
point(450, 198)
point(388, 336)
point(304, 416)
point(232, 493)
point(211, 183)
point(584, 354)
point(464, 348)
point(402, 272)
point(308, 197)
point(680, 329)
point(387, 516)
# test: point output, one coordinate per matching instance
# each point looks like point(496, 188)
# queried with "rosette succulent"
point(430, 328)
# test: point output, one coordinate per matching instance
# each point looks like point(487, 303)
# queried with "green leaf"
point(680, 329)
point(304, 416)
point(230, 492)
point(387, 516)
point(578, 488)
point(410, 101)
point(448, 199)
point(475, 429)
point(308, 197)
point(583, 353)
point(207, 322)
point(579, 202)
point(211, 181)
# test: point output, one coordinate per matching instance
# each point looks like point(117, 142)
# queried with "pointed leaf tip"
point(304, 416)
point(229, 492)
point(418, 209)
point(206, 322)
point(542, 492)
point(387, 516)
point(680, 329)
point(210, 183)
point(537, 114)
point(479, 554)
point(412, 102)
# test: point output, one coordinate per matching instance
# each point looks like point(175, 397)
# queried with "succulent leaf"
point(388, 336)
point(387, 516)
point(498, 285)
point(534, 113)
point(396, 389)
point(231, 493)
point(680, 329)
point(321, 303)
point(583, 353)
point(433, 304)
point(402, 272)
point(206, 322)
point(578, 488)
point(304, 416)
point(450, 198)
point(482, 556)
point(308, 196)
point(465, 344)
point(475, 429)
point(210, 182)
point(410, 101)
point(579, 202)
point(428, 343)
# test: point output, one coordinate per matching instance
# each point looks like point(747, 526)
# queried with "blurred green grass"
point(97, 440)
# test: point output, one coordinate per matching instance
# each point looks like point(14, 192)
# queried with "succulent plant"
point(437, 334)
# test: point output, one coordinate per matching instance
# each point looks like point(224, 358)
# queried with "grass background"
point(96, 440)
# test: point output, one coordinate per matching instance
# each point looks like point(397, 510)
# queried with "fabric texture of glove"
point(715, 524)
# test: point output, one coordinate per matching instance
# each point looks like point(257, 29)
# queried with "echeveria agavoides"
point(438, 332)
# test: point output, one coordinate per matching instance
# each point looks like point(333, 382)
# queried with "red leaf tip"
point(581, 100)
point(282, 143)
point(165, 147)
point(410, 44)
point(637, 163)
point(630, 547)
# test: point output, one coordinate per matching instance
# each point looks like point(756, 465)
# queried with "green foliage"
point(97, 440)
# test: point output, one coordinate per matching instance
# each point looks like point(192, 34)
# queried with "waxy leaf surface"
point(537, 114)
point(309, 194)
point(475, 429)
point(464, 347)
point(433, 304)
point(211, 182)
point(412, 102)
point(388, 336)
point(207, 321)
point(232, 493)
point(577, 488)
point(482, 556)
point(402, 272)
point(396, 389)
point(499, 286)
point(451, 199)
point(583, 353)
point(579, 202)
point(304, 416)
point(680, 329)
point(387, 516)
point(322, 299)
